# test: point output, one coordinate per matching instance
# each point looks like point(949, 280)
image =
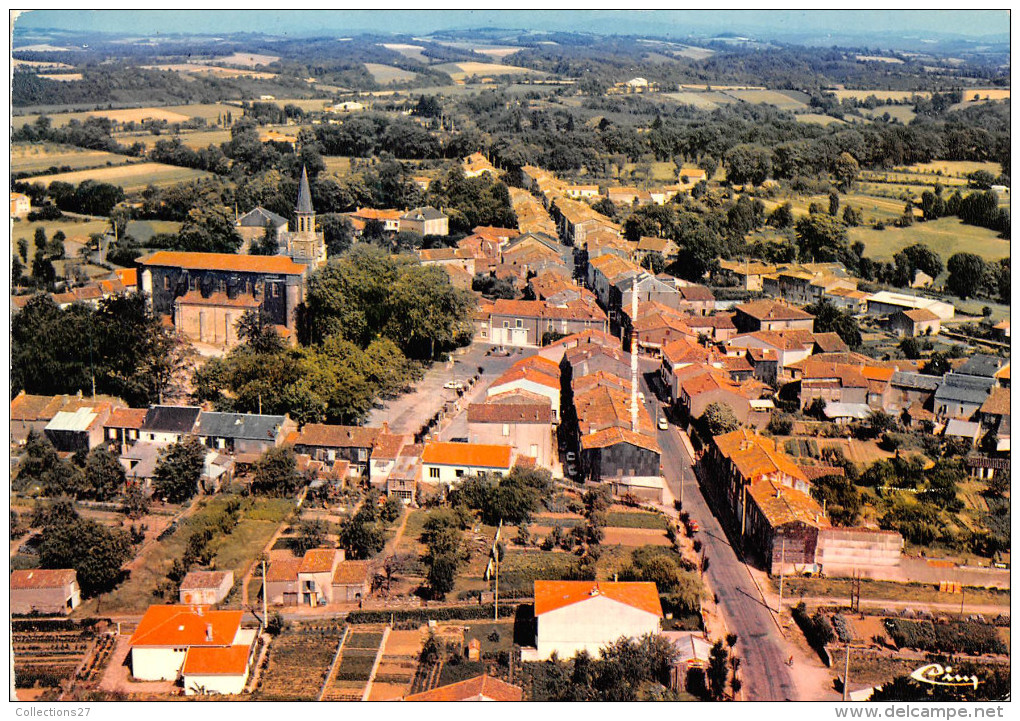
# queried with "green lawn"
point(637, 519)
point(945, 236)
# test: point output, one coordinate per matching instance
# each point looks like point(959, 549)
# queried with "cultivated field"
point(411, 52)
point(386, 74)
point(957, 168)
point(903, 113)
point(879, 59)
point(720, 88)
point(195, 140)
point(64, 78)
point(130, 177)
point(783, 101)
point(493, 51)
point(38, 157)
point(460, 71)
point(818, 119)
point(897, 95)
point(299, 659)
point(945, 236)
point(702, 100)
point(39, 64)
point(248, 60)
point(212, 70)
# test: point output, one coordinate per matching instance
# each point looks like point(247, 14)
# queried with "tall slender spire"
point(304, 196)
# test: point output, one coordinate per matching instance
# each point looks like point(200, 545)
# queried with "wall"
point(590, 625)
point(218, 684)
point(156, 664)
point(528, 439)
point(45, 600)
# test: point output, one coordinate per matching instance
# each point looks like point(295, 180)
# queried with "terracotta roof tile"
point(332, 436)
point(490, 412)
point(224, 261)
point(997, 403)
point(472, 689)
point(318, 560)
point(772, 310)
point(42, 578)
point(217, 661)
point(552, 595)
point(469, 455)
point(282, 571)
point(186, 626)
point(204, 579)
point(350, 573)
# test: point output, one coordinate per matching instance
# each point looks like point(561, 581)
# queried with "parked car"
point(641, 396)
point(663, 423)
point(453, 385)
point(571, 456)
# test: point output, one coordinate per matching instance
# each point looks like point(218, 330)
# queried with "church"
point(304, 244)
point(204, 294)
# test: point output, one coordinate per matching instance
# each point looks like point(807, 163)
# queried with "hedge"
point(424, 615)
point(817, 629)
point(25, 625)
point(968, 637)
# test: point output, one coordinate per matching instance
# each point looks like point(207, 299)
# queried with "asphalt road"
point(764, 671)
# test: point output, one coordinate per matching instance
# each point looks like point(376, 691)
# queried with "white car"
point(663, 424)
point(641, 396)
point(454, 385)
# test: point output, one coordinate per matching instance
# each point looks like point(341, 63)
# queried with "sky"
point(762, 24)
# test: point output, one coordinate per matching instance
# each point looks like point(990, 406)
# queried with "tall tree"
point(179, 470)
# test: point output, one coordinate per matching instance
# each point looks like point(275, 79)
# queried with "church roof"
point(304, 196)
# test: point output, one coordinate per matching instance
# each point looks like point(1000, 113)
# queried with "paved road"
point(764, 671)
point(407, 412)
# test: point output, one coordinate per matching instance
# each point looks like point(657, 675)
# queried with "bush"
point(968, 637)
point(424, 615)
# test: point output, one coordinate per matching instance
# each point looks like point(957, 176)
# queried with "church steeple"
point(304, 211)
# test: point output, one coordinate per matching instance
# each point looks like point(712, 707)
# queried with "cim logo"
point(937, 675)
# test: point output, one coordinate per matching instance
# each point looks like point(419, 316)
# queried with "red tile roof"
point(318, 560)
point(472, 689)
point(611, 436)
point(42, 578)
point(186, 626)
point(469, 455)
point(204, 579)
point(351, 573)
point(282, 571)
point(552, 595)
point(773, 310)
point(228, 661)
point(195, 297)
point(509, 413)
point(529, 374)
point(224, 261)
point(330, 436)
point(128, 276)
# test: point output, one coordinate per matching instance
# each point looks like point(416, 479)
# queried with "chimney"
point(208, 632)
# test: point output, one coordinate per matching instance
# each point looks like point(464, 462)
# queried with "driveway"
point(764, 672)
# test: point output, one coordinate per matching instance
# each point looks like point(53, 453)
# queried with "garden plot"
point(397, 666)
point(299, 659)
point(357, 658)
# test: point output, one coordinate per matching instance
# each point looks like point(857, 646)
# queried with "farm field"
point(907, 178)
point(720, 88)
point(493, 51)
point(337, 164)
point(249, 60)
point(196, 140)
point(411, 52)
point(37, 157)
point(945, 236)
point(212, 70)
point(783, 101)
point(170, 113)
point(702, 100)
point(306, 104)
point(663, 171)
point(818, 119)
point(133, 177)
point(62, 78)
point(955, 168)
point(460, 71)
point(386, 74)
point(898, 95)
point(798, 586)
point(39, 64)
point(903, 113)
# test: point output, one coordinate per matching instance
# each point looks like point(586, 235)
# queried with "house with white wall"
point(446, 463)
point(575, 616)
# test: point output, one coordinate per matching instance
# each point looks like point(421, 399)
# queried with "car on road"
point(694, 526)
point(453, 385)
point(663, 423)
point(641, 396)
point(500, 351)
point(571, 456)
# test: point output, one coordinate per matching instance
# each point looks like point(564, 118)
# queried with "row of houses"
point(119, 282)
point(766, 497)
point(425, 220)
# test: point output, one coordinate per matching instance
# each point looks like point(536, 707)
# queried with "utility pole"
point(265, 601)
point(782, 569)
point(846, 674)
point(495, 598)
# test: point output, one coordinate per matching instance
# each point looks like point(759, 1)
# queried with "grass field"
point(460, 71)
point(130, 177)
point(337, 164)
point(897, 95)
point(39, 64)
point(248, 60)
point(886, 591)
point(195, 140)
point(38, 157)
point(197, 69)
point(170, 113)
point(903, 113)
point(908, 178)
point(662, 171)
point(945, 236)
point(702, 100)
point(411, 52)
point(63, 77)
point(782, 101)
point(878, 59)
point(386, 74)
point(817, 119)
point(956, 168)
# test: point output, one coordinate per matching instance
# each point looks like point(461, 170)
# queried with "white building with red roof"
point(168, 635)
point(575, 616)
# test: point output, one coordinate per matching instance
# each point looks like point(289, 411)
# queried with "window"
point(111, 433)
point(534, 450)
point(433, 472)
point(460, 473)
point(506, 324)
point(506, 429)
point(331, 455)
point(166, 282)
point(133, 435)
point(520, 323)
point(221, 443)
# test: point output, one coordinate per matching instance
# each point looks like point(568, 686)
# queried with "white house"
point(447, 463)
point(206, 587)
point(531, 381)
point(574, 616)
point(216, 670)
point(167, 634)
